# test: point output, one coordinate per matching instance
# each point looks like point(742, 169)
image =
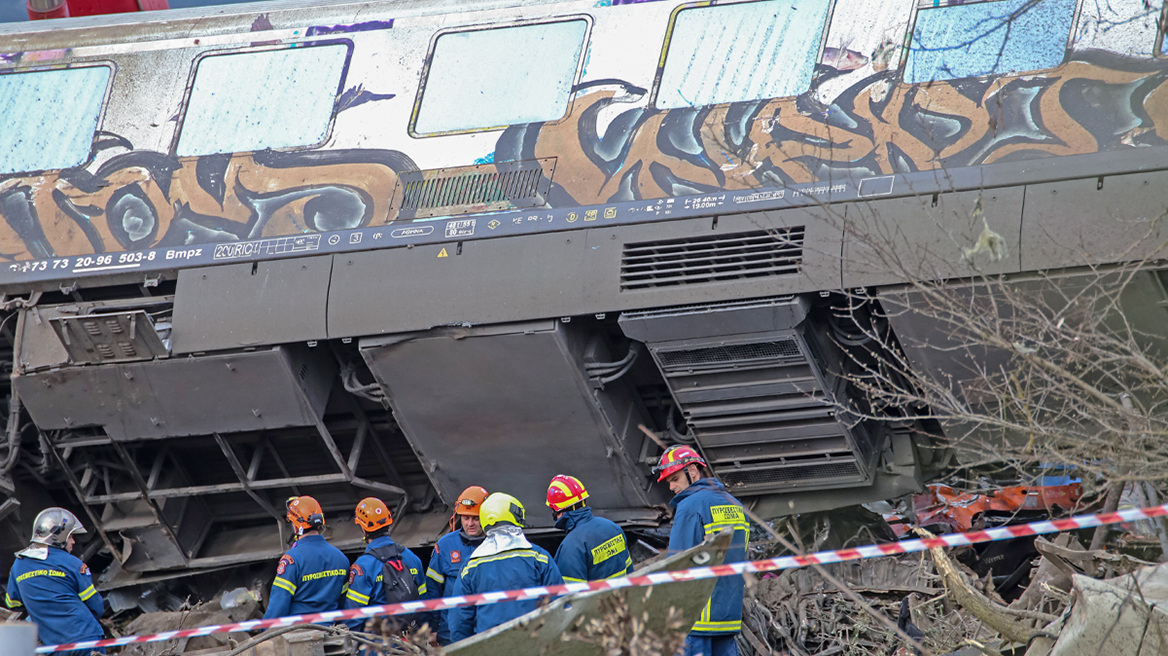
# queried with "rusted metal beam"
point(237, 467)
point(323, 479)
point(76, 485)
point(356, 481)
point(379, 448)
point(267, 444)
point(151, 501)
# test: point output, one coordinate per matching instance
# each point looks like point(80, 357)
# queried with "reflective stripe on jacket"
point(309, 579)
point(365, 581)
point(702, 510)
point(507, 570)
point(59, 595)
point(451, 554)
point(594, 548)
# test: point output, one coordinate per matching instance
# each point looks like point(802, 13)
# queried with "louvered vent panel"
point(720, 258)
point(471, 189)
point(801, 474)
point(786, 349)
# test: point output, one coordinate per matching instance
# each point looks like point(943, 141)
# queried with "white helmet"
point(53, 526)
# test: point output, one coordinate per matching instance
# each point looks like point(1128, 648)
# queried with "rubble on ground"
point(1042, 596)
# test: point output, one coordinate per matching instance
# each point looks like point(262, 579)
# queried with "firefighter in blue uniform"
point(595, 547)
point(54, 585)
point(311, 576)
point(504, 561)
point(452, 552)
point(703, 508)
point(366, 584)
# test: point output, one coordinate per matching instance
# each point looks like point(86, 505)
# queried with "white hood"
point(503, 537)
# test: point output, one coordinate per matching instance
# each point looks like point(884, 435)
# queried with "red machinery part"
point(42, 9)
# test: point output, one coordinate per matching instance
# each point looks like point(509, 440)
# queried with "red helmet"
point(565, 492)
point(372, 514)
point(675, 459)
point(305, 513)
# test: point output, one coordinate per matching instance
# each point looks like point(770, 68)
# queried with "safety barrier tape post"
point(655, 578)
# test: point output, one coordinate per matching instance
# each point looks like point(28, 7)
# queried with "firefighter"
point(54, 585)
point(311, 576)
point(452, 552)
point(703, 508)
point(595, 547)
point(367, 581)
point(504, 561)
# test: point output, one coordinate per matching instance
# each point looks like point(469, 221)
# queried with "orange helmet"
point(565, 492)
point(372, 515)
point(305, 513)
point(675, 459)
point(469, 501)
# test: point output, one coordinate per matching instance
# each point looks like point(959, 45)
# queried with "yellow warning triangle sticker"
point(442, 253)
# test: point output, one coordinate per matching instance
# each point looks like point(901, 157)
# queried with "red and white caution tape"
point(656, 578)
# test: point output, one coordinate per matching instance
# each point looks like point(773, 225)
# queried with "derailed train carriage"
point(398, 248)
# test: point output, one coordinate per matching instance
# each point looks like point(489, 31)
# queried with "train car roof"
point(225, 19)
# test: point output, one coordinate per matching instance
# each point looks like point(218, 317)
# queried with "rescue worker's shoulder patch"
point(456, 556)
point(84, 568)
point(285, 561)
point(354, 572)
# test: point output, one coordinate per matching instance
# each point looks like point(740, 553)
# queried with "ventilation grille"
point(786, 349)
point(758, 254)
point(836, 472)
point(471, 189)
point(114, 337)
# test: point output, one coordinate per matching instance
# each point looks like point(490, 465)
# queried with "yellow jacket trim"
point(727, 627)
point(326, 573)
point(422, 588)
point(705, 624)
point(519, 553)
point(12, 603)
point(39, 572)
point(285, 584)
point(569, 579)
point(87, 593)
point(628, 568)
point(357, 597)
point(609, 549)
point(438, 578)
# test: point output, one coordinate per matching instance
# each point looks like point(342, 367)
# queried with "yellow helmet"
point(499, 507)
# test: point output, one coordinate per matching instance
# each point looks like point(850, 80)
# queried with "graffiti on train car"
point(869, 125)
point(140, 199)
point(1097, 102)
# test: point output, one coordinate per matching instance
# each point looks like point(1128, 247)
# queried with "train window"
point(739, 52)
point(481, 79)
point(1123, 27)
point(988, 38)
point(48, 118)
point(256, 100)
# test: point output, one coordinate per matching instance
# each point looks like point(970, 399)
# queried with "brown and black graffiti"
point(136, 200)
point(1098, 102)
point(141, 199)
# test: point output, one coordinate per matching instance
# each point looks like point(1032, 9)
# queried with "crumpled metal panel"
point(559, 628)
point(189, 396)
